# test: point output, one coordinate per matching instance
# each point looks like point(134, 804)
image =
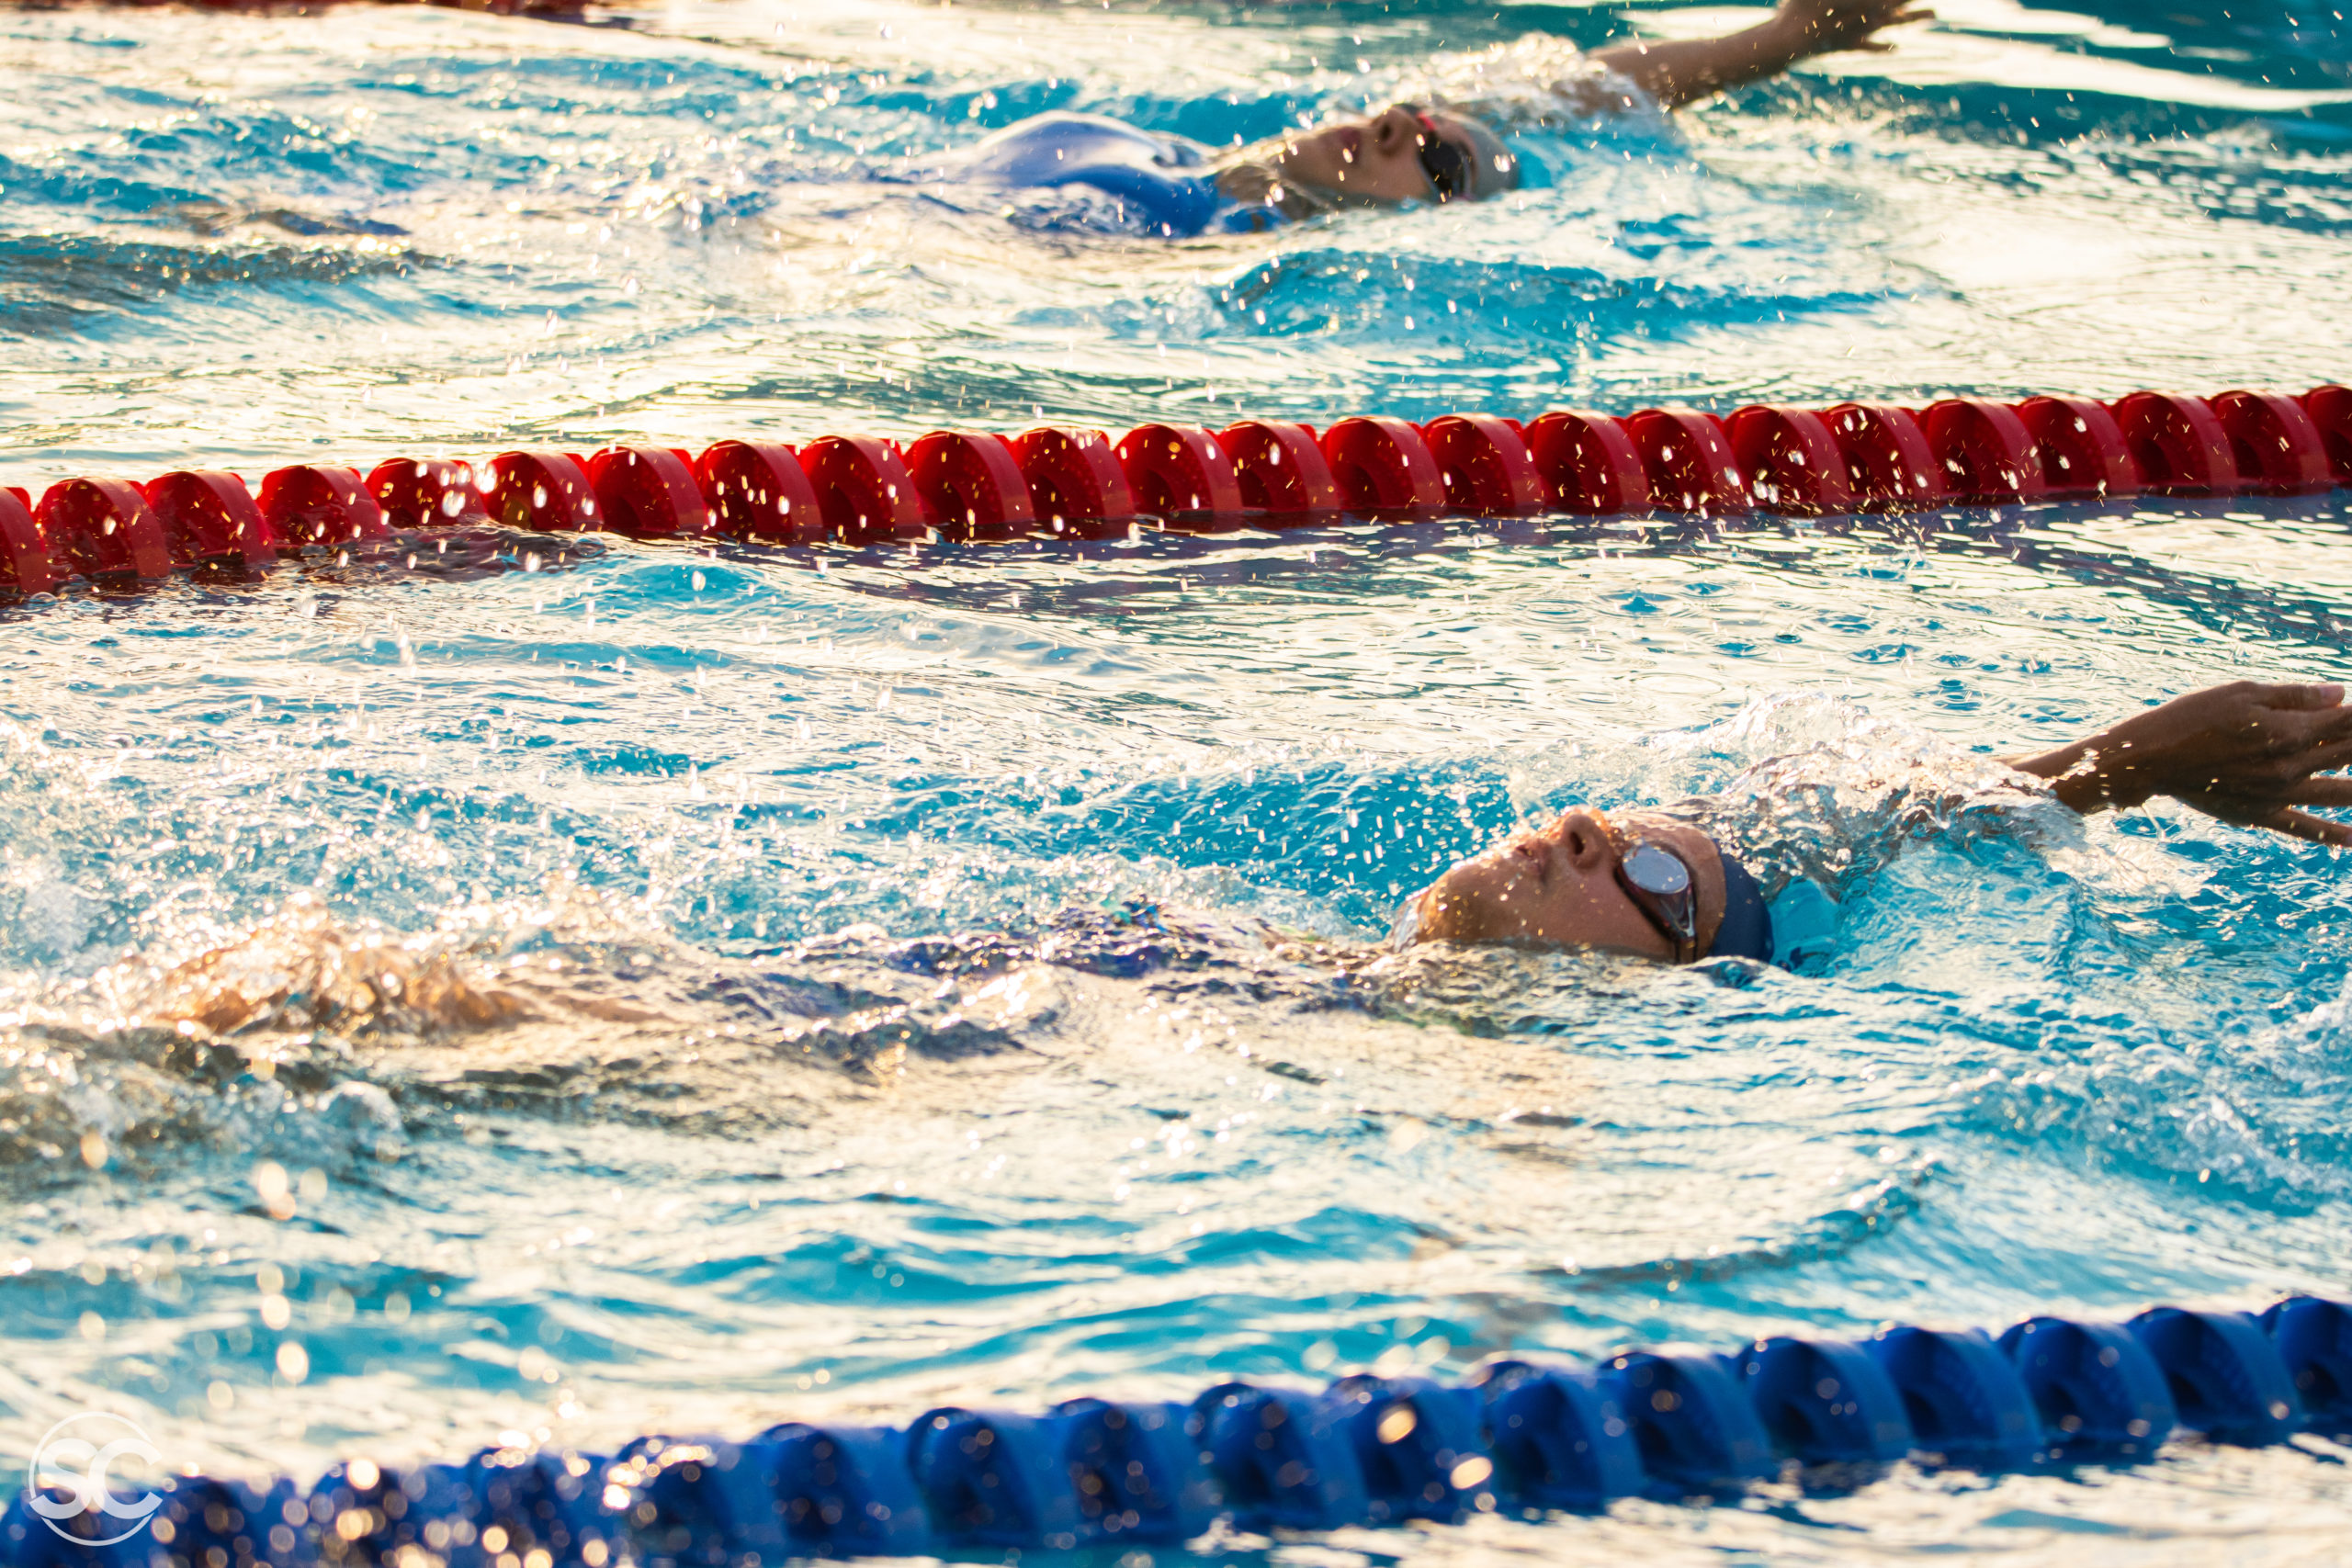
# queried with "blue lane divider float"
point(1962, 1396)
point(1517, 1435)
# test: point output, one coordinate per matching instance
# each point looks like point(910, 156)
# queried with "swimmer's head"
point(1403, 154)
point(1560, 887)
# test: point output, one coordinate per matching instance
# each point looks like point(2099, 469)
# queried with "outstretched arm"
point(2246, 753)
point(1679, 72)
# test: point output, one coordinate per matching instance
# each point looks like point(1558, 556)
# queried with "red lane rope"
point(1079, 483)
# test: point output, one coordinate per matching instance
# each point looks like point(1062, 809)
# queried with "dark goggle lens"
point(1447, 166)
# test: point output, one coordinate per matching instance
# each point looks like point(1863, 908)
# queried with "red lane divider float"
point(1689, 457)
point(758, 491)
point(320, 506)
point(24, 550)
point(426, 493)
point(2331, 410)
point(2274, 442)
point(1383, 467)
point(1589, 464)
point(2179, 443)
point(1079, 483)
point(971, 487)
point(1486, 466)
point(103, 530)
point(1987, 454)
point(1889, 464)
point(1792, 461)
point(1181, 474)
point(1281, 471)
point(649, 492)
point(211, 519)
point(1076, 484)
point(2081, 448)
point(546, 492)
point(864, 490)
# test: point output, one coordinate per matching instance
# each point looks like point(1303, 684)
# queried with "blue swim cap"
point(1747, 931)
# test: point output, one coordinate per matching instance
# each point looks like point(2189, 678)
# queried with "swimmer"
point(1678, 883)
point(1408, 152)
point(1666, 885)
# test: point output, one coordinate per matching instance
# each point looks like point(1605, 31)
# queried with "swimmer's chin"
point(1254, 184)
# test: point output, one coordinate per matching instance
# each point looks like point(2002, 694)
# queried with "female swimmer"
point(1406, 153)
point(1666, 883)
point(1673, 884)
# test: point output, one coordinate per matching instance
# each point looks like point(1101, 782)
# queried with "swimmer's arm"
point(2245, 752)
point(1681, 71)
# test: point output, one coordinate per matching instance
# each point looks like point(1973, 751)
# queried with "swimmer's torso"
point(1124, 178)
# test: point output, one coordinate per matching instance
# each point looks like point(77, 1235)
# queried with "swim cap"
point(1496, 166)
point(1747, 931)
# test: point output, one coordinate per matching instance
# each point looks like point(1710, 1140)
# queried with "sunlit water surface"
point(873, 998)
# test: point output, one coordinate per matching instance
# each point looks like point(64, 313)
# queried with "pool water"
point(865, 958)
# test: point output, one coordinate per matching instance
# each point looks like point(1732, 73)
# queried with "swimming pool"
point(698, 798)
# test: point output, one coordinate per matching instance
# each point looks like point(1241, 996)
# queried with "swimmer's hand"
point(2245, 752)
point(1681, 71)
point(1828, 25)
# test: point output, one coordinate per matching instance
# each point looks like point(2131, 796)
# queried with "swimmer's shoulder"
point(1045, 149)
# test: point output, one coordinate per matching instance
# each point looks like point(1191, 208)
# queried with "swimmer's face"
point(1378, 160)
point(1557, 886)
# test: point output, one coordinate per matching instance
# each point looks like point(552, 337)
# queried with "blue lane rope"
point(1518, 1436)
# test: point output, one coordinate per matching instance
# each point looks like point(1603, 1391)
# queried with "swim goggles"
point(1658, 882)
point(1447, 166)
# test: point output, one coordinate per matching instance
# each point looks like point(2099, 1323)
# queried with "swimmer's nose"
point(1394, 129)
point(1578, 833)
point(1544, 849)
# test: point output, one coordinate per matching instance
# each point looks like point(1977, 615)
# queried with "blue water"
point(721, 1146)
